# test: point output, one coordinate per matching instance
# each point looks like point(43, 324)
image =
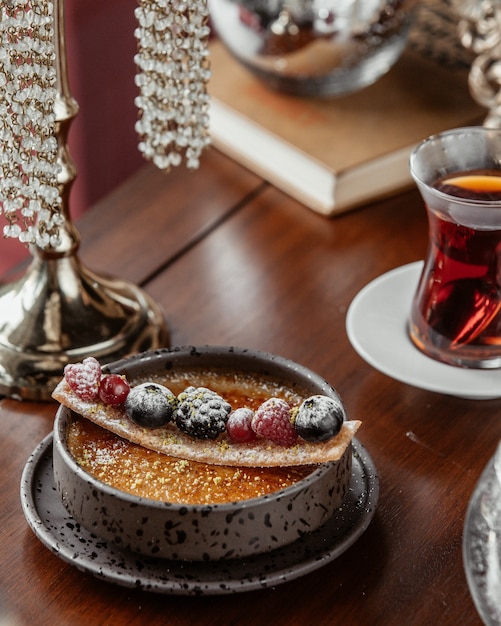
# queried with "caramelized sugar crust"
point(142, 472)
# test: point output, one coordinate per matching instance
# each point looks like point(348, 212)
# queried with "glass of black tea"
point(456, 311)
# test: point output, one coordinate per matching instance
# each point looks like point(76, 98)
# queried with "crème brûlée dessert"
point(202, 437)
point(164, 462)
point(150, 474)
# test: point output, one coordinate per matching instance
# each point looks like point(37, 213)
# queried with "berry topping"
point(202, 413)
point(84, 378)
point(113, 389)
point(239, 425)
point(319, 418)
point(151, 405)
point(272, 421)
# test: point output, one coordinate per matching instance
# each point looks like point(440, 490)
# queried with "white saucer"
point(376, 324)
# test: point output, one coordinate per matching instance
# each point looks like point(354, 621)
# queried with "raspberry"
point(84, 378)
point(319, 418)
point(239, 426)
point(202, 413)
point(113, 389)
point(272, 421)
point(150, 405)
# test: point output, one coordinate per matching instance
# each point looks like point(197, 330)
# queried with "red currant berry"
point(113, 389)
point(239, 425)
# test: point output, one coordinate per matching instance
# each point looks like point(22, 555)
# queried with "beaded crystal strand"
point(29, 192)
point(173, 71)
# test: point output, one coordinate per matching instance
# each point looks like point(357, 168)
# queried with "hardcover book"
point(334, 154)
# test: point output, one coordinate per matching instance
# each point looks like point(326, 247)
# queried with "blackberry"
point(151, 405)
point(319, 418)
point(202, 413)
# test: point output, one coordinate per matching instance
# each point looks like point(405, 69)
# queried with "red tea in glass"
point(456, 311)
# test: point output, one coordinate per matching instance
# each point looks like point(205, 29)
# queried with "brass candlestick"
point(60, 312)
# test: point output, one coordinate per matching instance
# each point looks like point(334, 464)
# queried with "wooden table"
point(234, 261)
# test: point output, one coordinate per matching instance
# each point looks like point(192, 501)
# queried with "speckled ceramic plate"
point(58, 531)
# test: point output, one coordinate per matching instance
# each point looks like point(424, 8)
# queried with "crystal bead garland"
point(29, 192)
point(172, 76)
point(173, 71)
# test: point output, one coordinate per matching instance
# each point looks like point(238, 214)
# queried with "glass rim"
point(436, 137)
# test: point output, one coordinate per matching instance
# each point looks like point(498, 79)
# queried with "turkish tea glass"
point(456, 311)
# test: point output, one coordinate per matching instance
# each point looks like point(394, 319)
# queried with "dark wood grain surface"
point(234, 261)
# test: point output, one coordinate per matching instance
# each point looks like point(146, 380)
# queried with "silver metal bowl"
point(314, 47)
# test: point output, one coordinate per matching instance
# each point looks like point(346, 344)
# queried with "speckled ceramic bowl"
point(202, 532)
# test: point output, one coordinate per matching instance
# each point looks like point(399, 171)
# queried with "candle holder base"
point(60, 312)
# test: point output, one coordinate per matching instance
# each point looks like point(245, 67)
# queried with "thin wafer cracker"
point(223, 451)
